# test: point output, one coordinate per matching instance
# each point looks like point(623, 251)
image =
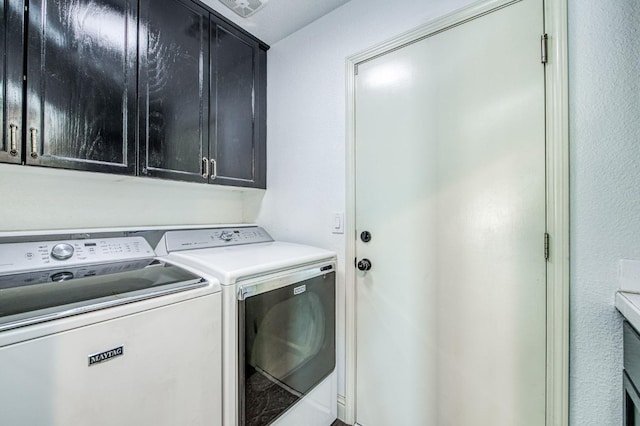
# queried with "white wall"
point(604, 55)
point(306, 121)
point(306, 169)
point(35, 198)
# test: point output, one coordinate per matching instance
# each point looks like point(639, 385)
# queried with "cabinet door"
point(81, 84)
point(238, 111)
point(174, 89)
point(11, 72)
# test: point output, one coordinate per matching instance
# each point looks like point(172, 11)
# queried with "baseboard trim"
point(341, 408)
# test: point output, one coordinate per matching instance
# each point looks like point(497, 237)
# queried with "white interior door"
point(450, 182)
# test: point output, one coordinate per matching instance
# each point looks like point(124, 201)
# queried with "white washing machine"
point(278, 323)
point(99, 332)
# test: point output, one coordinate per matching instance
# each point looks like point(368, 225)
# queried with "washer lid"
point(235, 263)
point(33, 297)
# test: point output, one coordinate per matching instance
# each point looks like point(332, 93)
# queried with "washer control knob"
point(226, 235)
point(62, 251)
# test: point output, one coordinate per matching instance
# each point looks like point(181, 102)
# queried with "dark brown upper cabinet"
point(238, 108)
point(168, 89)
point(174, 90)
point(11, 72)
point(81, 85)
point(202, 97)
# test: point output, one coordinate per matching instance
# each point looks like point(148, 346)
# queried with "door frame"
point(557, 198)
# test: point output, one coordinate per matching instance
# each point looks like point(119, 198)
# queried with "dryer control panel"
point(215, 237)
point(33, 256)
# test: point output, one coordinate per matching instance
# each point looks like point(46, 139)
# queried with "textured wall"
point(604, 56)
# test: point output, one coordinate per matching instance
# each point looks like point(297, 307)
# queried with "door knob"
point(364, 265)
point(365, 236)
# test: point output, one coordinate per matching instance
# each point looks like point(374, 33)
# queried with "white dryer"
point(278, 323)
point(99, 332)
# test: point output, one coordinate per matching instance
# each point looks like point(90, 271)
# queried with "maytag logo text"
point(106, 355)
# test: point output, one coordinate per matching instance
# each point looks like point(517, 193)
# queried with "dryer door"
point(287, 346)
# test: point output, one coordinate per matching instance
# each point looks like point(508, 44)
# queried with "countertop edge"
point(628, 304)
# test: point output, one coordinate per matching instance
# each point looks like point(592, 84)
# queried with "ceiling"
point(278, 18)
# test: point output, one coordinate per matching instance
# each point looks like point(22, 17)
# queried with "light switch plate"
point(337, 223)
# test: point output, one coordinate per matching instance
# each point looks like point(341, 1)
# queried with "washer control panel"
point(33, 256)
point(217, 237)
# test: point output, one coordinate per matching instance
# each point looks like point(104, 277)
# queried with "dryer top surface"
point(233, 263)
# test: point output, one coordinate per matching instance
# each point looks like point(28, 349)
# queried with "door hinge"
point(546, 246)
point(355, 69)
point(543, 48)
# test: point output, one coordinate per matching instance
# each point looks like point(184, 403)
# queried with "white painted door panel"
point(450, 181)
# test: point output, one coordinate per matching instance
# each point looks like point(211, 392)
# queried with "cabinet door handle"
point(204, 167)
point(214, 164)
point(13, 129)
point(34, 142)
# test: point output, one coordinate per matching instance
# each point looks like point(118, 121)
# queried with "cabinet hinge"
point(544, 39)
point(546, 246)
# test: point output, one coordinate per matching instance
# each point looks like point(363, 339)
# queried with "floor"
point(338, 423)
